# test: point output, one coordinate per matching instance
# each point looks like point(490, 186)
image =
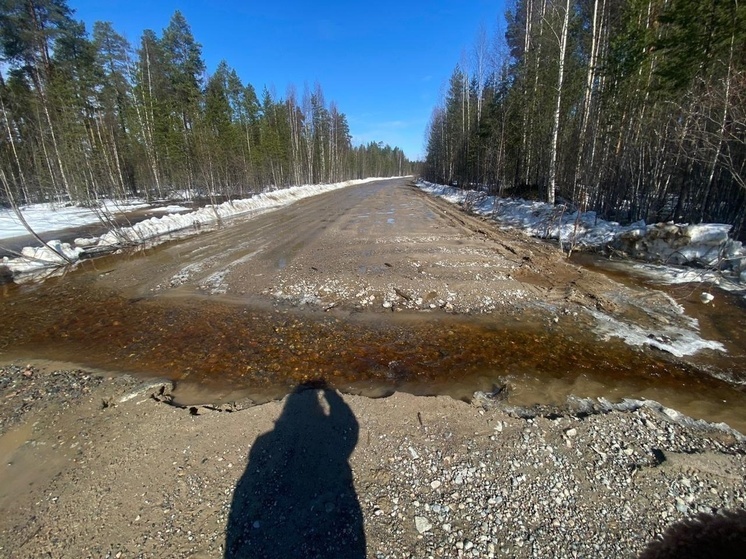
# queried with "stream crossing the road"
point(220, 347)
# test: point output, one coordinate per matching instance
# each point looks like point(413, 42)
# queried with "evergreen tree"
point(82, 116)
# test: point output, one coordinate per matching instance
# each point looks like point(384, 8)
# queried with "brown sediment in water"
point(212, 312)
point(228, 349)
point(215, 342)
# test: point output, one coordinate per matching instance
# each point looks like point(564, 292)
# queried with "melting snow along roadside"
point(706, 246)
point(41, 219)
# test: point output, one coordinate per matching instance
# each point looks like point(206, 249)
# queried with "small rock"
point(706, 297)
point(422, 524)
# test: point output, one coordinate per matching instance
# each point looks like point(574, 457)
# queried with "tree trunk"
point(556, 121)
point(588, 97)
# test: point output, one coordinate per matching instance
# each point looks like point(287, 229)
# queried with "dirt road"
point(378, 246)
point(371, 288)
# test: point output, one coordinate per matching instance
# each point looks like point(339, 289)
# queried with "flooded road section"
point(224, 351)
point(311, 292)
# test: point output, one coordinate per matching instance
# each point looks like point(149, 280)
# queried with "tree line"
point(86, 115)
point(634, 108)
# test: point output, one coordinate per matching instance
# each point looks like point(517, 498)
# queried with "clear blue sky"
point(384, 62)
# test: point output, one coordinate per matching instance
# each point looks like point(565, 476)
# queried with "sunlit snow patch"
point(706, 246)
point(675, 340)
point(55, 253)
point(33, 259)
point(51, 217)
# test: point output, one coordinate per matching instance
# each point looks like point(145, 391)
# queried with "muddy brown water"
point(219, 351)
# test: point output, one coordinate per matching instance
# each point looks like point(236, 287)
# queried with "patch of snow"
point(538, 219)
point(672, 339)
point(214, 284)
point(706, 245)
point(52, 217)
point(85, 242)
point(171, 208)
point(46, 217)
point(33, 258)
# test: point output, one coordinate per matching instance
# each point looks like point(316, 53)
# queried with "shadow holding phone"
point(296, 497)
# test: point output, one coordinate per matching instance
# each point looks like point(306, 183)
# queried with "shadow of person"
point(296, 497)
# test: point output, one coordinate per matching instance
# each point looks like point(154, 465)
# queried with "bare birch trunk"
point(721, 132)
point(555, 129)
point(12, 142)
point(526, 108)
point(147, 125)
point(55, 147)
point(588, 97)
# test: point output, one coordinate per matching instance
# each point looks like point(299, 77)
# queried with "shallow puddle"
point(218, 350)
point(723, 319)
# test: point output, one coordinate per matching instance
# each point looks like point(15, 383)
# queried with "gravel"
point(26, 388)
point(434, 477)
point(602, 486)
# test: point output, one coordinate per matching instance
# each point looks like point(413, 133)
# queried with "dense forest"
point(86, 115)
point(634, 108)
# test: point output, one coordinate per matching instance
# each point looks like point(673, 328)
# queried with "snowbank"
point(538, 219)
point(47, 218)
point(33, 258)
point(52, 217)
point(703, 246)
point(706, 245)
point(156, 226)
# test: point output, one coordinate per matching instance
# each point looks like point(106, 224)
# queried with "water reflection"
point(296, 497)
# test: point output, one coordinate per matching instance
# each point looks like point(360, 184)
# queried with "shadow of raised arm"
point(296, 497)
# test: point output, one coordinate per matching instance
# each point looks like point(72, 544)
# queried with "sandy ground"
point(118, 474)
point(100, 466)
